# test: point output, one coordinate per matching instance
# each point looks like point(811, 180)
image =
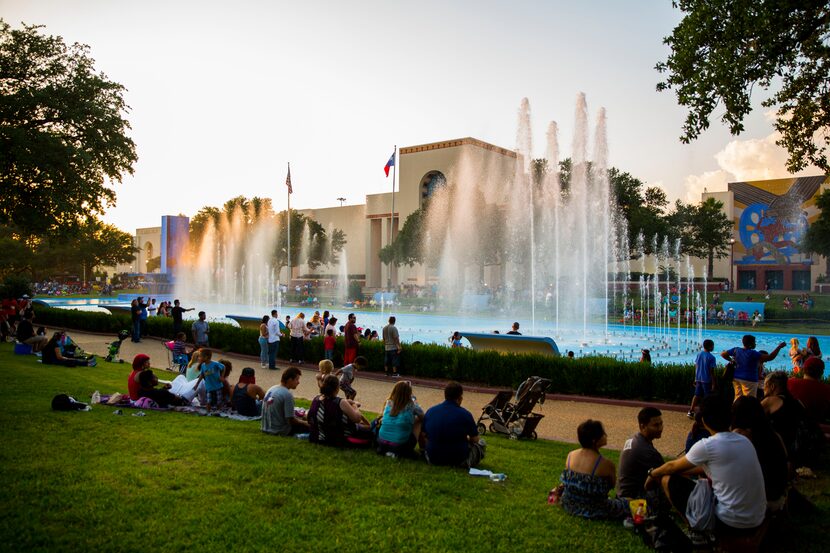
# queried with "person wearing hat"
point(246, 397)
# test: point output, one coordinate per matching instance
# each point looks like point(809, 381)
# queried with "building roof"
point(468, 141)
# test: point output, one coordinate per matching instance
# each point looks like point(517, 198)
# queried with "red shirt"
point(328, 342)
point(813, 394)
point(349, 331)
point(133, 386)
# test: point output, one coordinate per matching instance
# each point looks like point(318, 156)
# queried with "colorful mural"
point(772, 217)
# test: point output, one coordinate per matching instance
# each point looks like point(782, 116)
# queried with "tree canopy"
point(817, 238)
point(723, 49)
point(62, 130)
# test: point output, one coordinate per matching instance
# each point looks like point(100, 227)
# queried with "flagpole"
point(392, 216)
point(288, 218)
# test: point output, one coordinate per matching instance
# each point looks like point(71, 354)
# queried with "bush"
point(595, 376)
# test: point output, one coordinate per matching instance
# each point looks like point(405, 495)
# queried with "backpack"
point(700, 509)
point(63, 402)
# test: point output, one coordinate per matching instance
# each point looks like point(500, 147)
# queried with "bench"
point(511, 343)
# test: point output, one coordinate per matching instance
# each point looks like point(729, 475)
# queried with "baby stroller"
point(115, 347)
point(177, 362)
point(516, 419)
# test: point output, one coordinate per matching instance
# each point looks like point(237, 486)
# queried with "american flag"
point(288, 181)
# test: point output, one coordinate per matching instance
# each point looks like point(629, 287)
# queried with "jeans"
point(263, 350)
point(136, 330)
point(273, 349)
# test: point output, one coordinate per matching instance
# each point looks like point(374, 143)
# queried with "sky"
point(224, 94)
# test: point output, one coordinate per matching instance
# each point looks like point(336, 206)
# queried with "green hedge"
point(593, 376)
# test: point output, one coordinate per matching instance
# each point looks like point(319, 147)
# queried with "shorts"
point(393, 358)
point(213, 397)
point(348, 390)
point(745, 388)
point(703, 389)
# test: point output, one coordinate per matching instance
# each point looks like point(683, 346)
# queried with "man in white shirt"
point(730, 461)
point(274, 335)
point(298, 330)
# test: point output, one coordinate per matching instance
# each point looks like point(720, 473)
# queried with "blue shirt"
point(746, 361)
point(396, 429)
point(212, 373)
point(447, 426)
point(704, 367)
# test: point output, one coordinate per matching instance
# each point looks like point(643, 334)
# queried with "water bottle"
point(498, 477)
point(96, 398)
point(639, 514)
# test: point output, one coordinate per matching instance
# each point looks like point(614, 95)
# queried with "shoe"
point(262, 365)
point(691, 415)
point(396, 375)
point(391, 455)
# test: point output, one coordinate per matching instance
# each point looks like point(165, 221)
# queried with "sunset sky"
point(224, 94)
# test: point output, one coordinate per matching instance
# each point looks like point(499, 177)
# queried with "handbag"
point(700, 509)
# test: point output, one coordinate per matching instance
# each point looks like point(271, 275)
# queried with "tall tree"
point(723, 49)
point(96, 244)
point(704, 230)
point(62, 130)
point(817, 238)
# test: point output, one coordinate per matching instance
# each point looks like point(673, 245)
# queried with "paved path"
point(561, 416)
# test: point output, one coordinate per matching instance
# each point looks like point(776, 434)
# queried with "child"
point(211, 373)
point(705, 381)
point(180, 345)
point(328, 344)
point(347, 376)
point(325, 366)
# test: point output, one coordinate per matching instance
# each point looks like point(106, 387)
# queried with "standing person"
point(135, 315)
point(705, 381)
point(796, 355)
point(142, 316)
point(152, 309)
point(455, 340)
point(392, 345)
point(263, 342)
point(352, 339)
point(451, 433)
point(201, 330)
point(329, 343)
point(645, 356)
point(812, 349)
point(278, 406)
point(274, 335)
point(211, 372)
point(176, 313)
point(325, 321)
point(347, 375)
point(748, 365)
point(514, 330)
point(298, 332)
point(332, 326)
point(639, 454)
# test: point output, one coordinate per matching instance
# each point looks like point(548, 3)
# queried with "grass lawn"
point(168, 482)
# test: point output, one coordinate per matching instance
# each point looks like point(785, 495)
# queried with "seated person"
point(180, 347)
point(588, 477)
point(246, 398)
point(140, 362)
point(400, 423)
point(192, 371)
point(451, 433)
point(52, 353)
point(813, 394)
point(748, 419)
point(785, 413)
point(334, 420)
point(278, 406)
point(730, 461)
point(147, 382)
point(226, 386)
point(26, 333)
point(639, 454)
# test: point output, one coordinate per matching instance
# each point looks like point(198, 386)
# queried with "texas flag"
point(390, 163)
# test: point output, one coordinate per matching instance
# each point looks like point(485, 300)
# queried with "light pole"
point(341, 200)
point(731, 262)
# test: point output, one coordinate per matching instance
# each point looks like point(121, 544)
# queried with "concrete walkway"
point(562, 415)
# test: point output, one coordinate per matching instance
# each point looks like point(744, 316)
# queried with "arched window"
point(148, 250)
point(430, 183)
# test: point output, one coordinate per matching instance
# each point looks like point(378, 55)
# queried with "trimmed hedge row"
point(594, 376)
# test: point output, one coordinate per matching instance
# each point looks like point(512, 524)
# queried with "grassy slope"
point(94, 481)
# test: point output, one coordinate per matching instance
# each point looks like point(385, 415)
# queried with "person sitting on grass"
point(211, 373)
point(748, 419)
point(729, 460)
point(785, 413)
point(705, 381)
point(588, 477)
point(400, 423)
point(180, 346)
point(26, 333)
point(246, 398)
point(226, 386)
point(347, 375)
point(140, 362)
point(192, 371)
point(52, 353)
point(639, 454)
point(336, 421)
point(451, 435)
point(278, 416)
point(147, 382)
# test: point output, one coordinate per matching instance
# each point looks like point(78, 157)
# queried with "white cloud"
point(710, 181)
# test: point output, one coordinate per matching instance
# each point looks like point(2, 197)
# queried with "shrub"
point(595, 376)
